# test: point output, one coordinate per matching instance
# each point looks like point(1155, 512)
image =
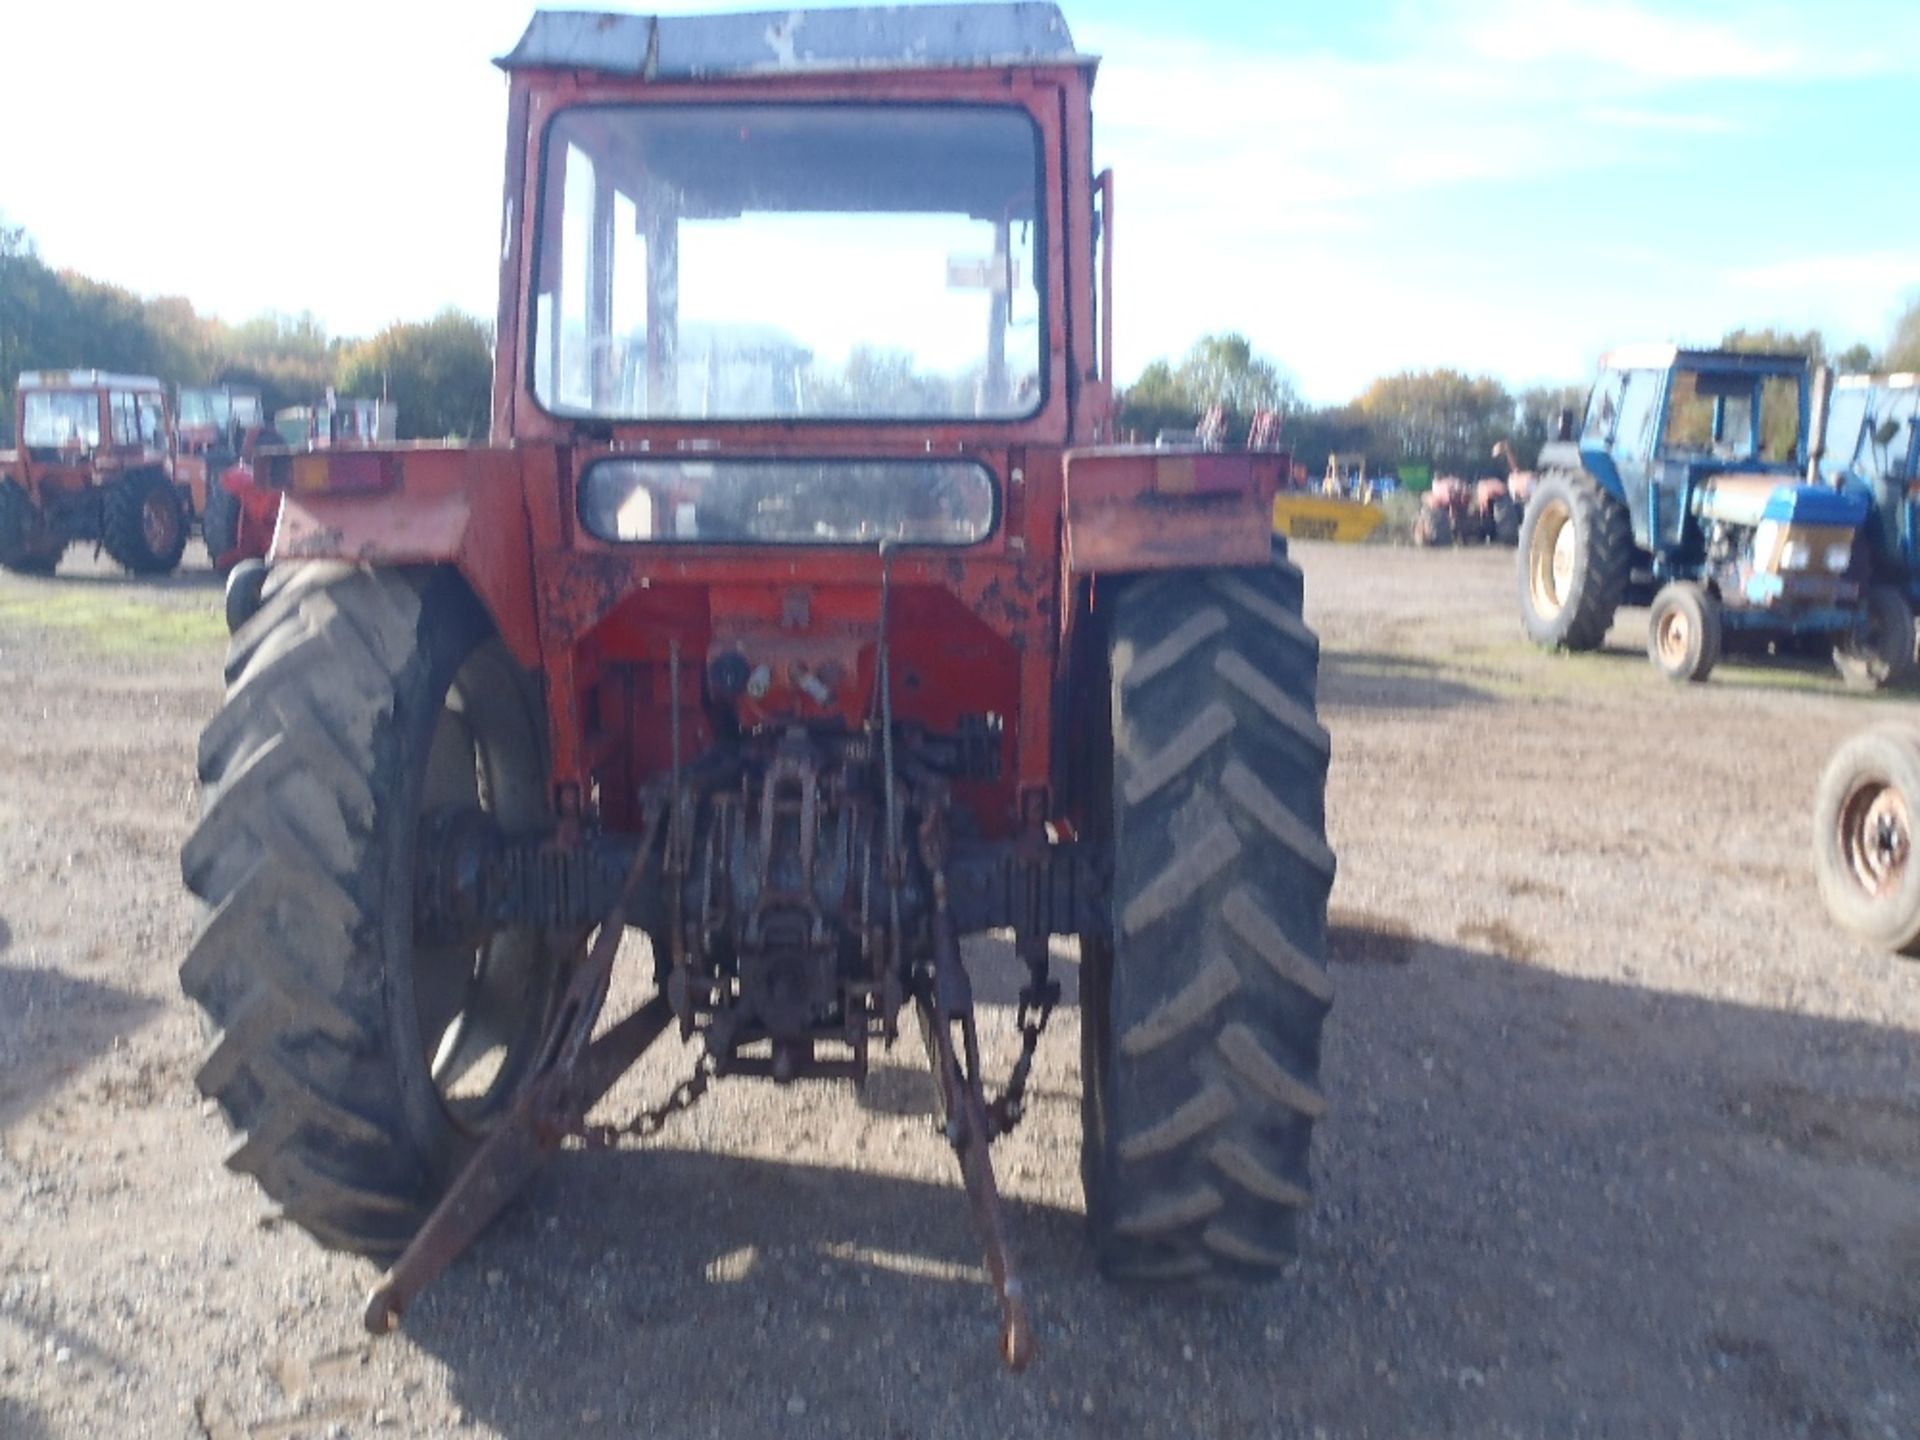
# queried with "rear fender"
point(422, 506)
point(1130, 508)
point(1568, 455)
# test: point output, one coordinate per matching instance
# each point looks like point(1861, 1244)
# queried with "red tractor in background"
point(254, 505)
point(217, 427)
point(95, 465)
point(1467, 512)
point(802, 617)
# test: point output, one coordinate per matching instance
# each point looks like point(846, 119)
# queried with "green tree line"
point(1442, 418)
point(437, 372)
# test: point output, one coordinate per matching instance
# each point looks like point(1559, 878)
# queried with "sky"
point(1506, 187)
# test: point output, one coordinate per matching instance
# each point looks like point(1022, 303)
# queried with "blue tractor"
point(1873, 448)
point(1688, 489)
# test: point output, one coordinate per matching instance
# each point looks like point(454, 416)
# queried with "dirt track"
point(1625, 1139)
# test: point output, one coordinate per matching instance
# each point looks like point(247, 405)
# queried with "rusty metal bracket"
point(946, 1005)
point(573, 1074)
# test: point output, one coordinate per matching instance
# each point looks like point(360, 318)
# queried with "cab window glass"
point(124, 428)
point(152, 422)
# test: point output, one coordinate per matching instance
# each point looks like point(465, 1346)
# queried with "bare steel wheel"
point(1863, 837)
point(1876, 837)
point(1576, 546)
point(1683, 632)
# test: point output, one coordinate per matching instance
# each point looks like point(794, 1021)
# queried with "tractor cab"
point(1661, 422)
point(216, 419)
point(94, 463)
point(1873, 448)
point(66, 418)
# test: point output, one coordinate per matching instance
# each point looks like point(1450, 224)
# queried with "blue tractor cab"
point(1873, 449)
point(1687, 488)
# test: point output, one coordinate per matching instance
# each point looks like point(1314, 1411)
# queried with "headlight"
point(1795, 555)
point(1838, 558)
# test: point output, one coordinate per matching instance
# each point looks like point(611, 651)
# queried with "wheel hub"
point(1876, 837)
point(1551, 559)
point(158, 519)
point(1675, 636)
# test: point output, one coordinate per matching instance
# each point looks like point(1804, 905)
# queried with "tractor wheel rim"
point(477, 999)
point(159, 520)
point(1876, 837)
point(1550, 559)
point(1674, 635)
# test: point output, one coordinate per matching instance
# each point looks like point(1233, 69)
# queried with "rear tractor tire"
point(361, 1057)
point(1432, 528)
point(1576, 551)
point(24, 547)
point(1683, 631)
point(220, 523)
point(1881, 653)
point(1507, 515)
point(246, 583)
point(144, 525)
point(1863, 836)
point(1202, 1008)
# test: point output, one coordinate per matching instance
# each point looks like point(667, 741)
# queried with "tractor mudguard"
point(1131, 509)
point(431, 505)
point(1571, 455)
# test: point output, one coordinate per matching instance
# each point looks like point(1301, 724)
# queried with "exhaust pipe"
point(1817, 424)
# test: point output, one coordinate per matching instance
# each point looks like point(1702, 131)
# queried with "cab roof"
point(1671, 357)
point(85, 380)
point(699, 47)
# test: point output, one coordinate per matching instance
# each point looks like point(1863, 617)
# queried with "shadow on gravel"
point(1380, 680)
point(6, 936)
point(1755, 672)
point(1546, 1205)
point(51, 1026)
point(18, 1422)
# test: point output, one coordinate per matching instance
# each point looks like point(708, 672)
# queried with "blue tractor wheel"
point(1683, 631)
point(1881, 651)
point(1576, 548)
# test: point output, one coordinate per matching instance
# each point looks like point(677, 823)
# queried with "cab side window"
point(152, 422)
point(125, 431)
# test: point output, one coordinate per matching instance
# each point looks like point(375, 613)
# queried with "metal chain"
point(1008, 1110)
point(649, 1123)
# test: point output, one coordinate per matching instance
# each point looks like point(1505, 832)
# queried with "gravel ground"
point(1622, 1142)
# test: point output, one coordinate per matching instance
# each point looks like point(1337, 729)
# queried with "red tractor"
point(1461, 512)
point(216, 427)
point(94, 464)
point(249, 506)
point(801, 617)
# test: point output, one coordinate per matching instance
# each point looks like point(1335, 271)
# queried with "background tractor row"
point(103, 459)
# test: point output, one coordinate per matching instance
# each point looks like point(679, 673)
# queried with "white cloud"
point(1881, 270)
point(1620, 35)
point(1667, 44)
point(1672, 122)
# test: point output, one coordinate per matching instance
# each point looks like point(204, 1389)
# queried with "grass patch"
point(106, 621)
